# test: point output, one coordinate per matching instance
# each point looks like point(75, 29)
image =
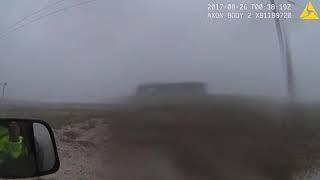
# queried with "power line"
point(46, 15)
point(34, 13)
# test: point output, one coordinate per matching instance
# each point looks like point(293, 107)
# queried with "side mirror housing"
point(27, 149)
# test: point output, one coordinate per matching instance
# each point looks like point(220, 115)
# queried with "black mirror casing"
point(56, 165)
point(37, 140)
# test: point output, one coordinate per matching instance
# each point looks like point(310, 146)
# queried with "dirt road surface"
point(98, 150)
point(83, 151)
point(87, 152)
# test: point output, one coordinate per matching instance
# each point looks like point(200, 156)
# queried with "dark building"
point(172, 89)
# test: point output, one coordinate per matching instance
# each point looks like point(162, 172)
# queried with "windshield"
point(167, 89)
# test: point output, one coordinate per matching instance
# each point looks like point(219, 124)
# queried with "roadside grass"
point(57, 116)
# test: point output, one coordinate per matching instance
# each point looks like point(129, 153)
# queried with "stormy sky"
point(104, 49)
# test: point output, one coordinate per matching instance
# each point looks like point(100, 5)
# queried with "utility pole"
point(3, 88)
point(285, 56)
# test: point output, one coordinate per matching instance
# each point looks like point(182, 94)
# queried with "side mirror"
point(27, 149)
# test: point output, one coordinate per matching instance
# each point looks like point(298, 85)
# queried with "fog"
point(104, 49)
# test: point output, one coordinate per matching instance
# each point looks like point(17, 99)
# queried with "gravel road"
point(89, 151)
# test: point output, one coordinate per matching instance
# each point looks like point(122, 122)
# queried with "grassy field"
point(57, 115)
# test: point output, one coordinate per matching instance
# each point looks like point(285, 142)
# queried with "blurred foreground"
point(227, 138)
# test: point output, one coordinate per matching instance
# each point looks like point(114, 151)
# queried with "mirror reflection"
point(17, 157)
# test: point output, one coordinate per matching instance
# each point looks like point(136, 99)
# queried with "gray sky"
point(104, 49)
